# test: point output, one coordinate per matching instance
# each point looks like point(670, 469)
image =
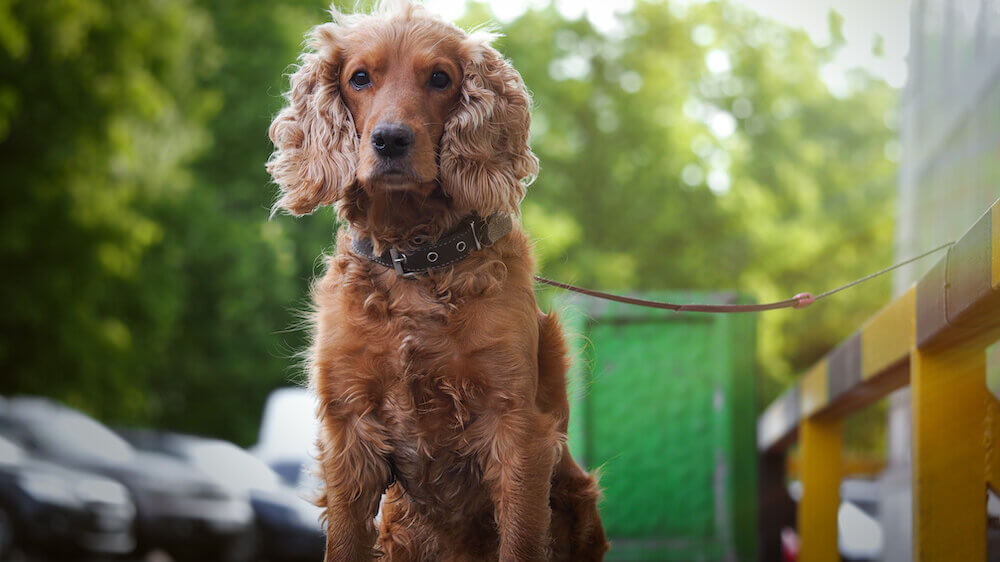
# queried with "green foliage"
point(623, 127)
point(102, 115)
point(238, 279)
point(145, 283)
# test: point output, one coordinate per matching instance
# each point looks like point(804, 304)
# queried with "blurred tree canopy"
point(692, 146)
point(700, 148)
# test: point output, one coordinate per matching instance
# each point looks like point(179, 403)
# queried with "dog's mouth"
point(395, 177)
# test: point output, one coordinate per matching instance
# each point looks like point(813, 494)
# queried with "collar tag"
point(498, 225)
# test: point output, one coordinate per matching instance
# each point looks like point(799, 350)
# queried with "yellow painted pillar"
point(949, 399)
point(991, 425)
point(821, 468)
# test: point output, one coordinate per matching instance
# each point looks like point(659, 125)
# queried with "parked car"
point(48, 510)
point(178, 509)
point(288, 526)
point(859, 533)
point(288, 430)
point(287, 441)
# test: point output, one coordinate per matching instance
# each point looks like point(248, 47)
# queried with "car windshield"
point(66, 433)
point(231, 466)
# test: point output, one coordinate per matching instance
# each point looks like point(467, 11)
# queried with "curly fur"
point(315, 139)
point(446, 393)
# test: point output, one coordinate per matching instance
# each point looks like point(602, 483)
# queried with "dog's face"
point(399, 92)
point(402, 102)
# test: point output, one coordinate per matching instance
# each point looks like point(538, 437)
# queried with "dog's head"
point(401, 102)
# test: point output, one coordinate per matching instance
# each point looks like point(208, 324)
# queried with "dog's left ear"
point(486, 162)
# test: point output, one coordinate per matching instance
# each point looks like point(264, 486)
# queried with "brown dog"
point(443, 388)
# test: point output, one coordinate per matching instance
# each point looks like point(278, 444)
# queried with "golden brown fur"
point(446, 391)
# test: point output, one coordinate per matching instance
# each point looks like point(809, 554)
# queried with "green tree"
point(239, 278)
point(699, 147)
point(101, 113)
point(693, 147)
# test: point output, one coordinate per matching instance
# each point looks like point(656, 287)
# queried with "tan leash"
point(800, 300)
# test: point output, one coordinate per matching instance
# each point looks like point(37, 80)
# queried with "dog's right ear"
point(316, 144)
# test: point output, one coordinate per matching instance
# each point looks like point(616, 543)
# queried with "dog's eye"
point(439, 80)
point(360, 79)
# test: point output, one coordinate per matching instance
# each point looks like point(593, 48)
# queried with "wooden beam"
point(814, 390)
point(776, 427)
point(959, 297)
point(958, 300)
point(888, 337)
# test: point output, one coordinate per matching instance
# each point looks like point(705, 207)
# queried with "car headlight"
point(101, 490)
point(49, 489)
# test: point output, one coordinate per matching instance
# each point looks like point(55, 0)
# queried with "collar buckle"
point(397, 260)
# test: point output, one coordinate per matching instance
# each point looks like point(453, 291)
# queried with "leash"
point(800, 300)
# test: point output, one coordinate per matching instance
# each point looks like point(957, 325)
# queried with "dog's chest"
point(426, 372)
point(434, 410)
point(435, 440)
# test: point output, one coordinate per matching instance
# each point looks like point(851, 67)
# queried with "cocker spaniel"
point(441, 385)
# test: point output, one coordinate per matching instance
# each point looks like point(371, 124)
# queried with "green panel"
point(643, 432)
point(574, 325)
point(663, 404)
point(739, 334)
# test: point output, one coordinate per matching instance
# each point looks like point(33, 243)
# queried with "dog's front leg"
point(519, 471)
point(355, 474)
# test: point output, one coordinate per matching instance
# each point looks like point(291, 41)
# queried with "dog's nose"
point(392, 139)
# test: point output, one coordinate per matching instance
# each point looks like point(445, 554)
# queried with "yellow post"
point(991, 425)
point(821, 458)
point(949, 400)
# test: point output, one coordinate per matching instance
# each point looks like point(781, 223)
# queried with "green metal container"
point(662, 403)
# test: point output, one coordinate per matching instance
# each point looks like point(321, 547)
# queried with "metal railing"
point(942, 338)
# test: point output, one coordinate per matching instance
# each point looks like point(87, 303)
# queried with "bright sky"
point(863, 21)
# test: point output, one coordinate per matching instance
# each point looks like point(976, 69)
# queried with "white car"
point(859, 533)
point(288, 431)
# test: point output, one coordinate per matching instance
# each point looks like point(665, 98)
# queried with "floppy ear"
point(485, 159)
point(316, 144)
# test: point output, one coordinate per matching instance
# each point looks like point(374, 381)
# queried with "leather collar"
point(474, 233)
